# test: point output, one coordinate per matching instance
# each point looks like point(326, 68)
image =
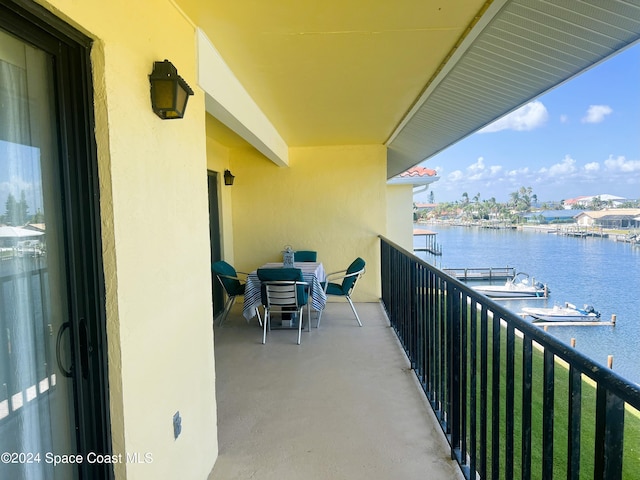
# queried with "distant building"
point(585, 201)
point(610, 218)
point(425, 207)
point(419, 177)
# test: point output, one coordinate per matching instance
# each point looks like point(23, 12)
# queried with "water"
point(598, 272)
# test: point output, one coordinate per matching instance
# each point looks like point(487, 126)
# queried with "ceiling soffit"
point(528, 48)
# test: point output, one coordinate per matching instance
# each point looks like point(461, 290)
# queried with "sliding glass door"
point(51, 327)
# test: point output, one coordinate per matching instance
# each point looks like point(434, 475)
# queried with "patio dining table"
point(312, 272)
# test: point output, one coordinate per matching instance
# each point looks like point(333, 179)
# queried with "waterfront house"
point(621, 218)
point(298, 114)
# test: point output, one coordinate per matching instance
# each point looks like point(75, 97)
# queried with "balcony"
point(343, 404)
point(483, 386)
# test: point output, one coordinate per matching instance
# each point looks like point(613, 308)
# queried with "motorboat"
point(566, 313)
point(520, 286)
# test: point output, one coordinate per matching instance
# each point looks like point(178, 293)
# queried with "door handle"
point(65, 372)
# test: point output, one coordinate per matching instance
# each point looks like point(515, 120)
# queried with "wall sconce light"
point(228, 178)
point(169, 91)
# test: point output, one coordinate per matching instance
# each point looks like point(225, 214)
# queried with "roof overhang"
point(517, 51)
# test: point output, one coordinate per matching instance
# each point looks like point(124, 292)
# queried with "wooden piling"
point(610, 361)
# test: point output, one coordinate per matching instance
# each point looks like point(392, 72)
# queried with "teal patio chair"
point(305, 256)
point(283, 290)
point(232, 285)
point(349, 277)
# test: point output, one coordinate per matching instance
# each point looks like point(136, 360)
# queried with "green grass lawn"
point(561, 406)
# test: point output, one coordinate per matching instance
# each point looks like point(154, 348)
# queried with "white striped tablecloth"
point(312, 272)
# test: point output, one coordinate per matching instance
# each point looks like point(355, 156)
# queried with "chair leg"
point(227, 308)
point(354, 310)
point(309, 315)
point(267, 320)
point(300, 325)
point(258, 315)
point(319, 317)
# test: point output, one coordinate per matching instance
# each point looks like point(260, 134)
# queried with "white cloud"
point(528, 117)
point(479, 171)
point(564, 118)
point(592, 167)
point(478, 166)
point(596, 113)
point(518, 172)
point(455, 176)
point(564, 168)
point(621, 164)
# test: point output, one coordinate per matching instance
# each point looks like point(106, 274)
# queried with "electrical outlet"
point(177, 425)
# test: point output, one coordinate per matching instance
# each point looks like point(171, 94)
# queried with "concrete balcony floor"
point(343, 404)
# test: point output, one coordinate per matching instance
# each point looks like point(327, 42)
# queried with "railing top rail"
point(627, 391)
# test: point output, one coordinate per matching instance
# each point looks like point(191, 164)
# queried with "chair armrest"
point(337, 274)
point(342, 274)
point(338, 277)
point(241, 280)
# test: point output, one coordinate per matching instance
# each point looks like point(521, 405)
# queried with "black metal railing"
point(513, 401)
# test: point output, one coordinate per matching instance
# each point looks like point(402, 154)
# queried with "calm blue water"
point(598, 272)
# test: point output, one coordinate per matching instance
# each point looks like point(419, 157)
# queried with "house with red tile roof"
point(584, 201)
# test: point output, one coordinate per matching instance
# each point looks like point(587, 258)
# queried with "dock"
point(574, 324)
point(592, 323)
point(488, 273)
point(430, 245)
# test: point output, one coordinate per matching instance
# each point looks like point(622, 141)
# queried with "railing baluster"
point(413, 312)
point(454, 368)
point(573, 430)
point(463, 374)
point(547, 414)
point(438, 354)
point(510, 399)
point(495, 397)
point(527, 384)
point(473, 385)
point(484, 394)
point(609, 435)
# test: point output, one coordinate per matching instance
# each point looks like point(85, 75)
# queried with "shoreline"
point(628, 235)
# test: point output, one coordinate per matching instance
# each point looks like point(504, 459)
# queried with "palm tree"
point(515, 198)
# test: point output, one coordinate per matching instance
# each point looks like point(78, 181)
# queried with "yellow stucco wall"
point(400, 215)
point(330, 199)
point(154, 209)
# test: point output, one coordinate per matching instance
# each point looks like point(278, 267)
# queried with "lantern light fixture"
point(169, 91)
point(228, 177)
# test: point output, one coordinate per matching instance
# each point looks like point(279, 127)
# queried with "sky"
point(20, 172)
point(582, 138)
